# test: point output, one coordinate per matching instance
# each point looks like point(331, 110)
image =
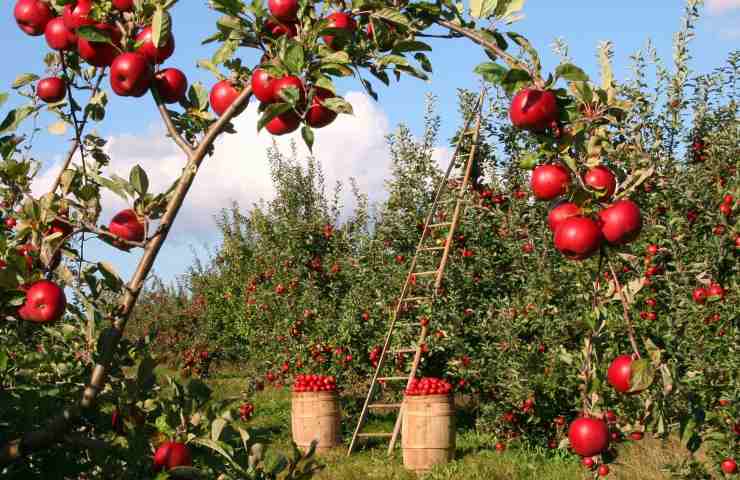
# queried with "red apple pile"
point(428, 386)
point(314, 383)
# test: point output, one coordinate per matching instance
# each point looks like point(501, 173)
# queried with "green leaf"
point(571, 72)
point(393, 16)
point(529, 161)
point(308, 137)
point(93, 34)
point(161, 26)
point(110, 276)
point(339, 105)
point(272, 111)
point(139, 180)
point(411, 46)
point(642, 375)
point(491, 72)
point(294, 58)
point(198, 96)
point(483, 8)
point(217, 427)
point(23, 80)
point(225, 52)
point(527, 47)
point(14, 118)
point(3, 98)
point(210, 66)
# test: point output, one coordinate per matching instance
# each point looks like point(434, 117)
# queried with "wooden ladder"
point(423, 249)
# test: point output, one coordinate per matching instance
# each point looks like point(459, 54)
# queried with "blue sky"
point(582, 24)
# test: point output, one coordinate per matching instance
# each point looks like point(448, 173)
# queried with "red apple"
point(77, 14)
point(127, 225)
point(51, 89)
point(588, 436)
point(99, 54)
point(154, 54)
point(341, 21)
point(283, 10)
point(223, 94)
point(280, 29)
point(171, 84)
point(318, 115)
point(716, 290)
point(130, 75)
point(550, 181)
point(289, 81)
point(621, 222)
point(561, 212)
point(699, 295)
point(603, 470)
point(284, 123)
point(32, 16)
point(577, 237)
point(58, 36)
point(123, 5)
point(534, 109)
point(620, 372)
point(602, 180)
point(263, 86)
point(45, 303)
point(729, 466)
point(172, 454)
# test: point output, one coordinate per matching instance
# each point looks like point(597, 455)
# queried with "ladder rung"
point(421, 274)
point(404, 350)
point(393, 379)
point(438, 225)
point(428, 249)
point(384, 405)
point(416, 299)
point(371, 435)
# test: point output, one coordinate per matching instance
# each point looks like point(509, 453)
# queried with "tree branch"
point(625, 312)
point(512, 61)
point(171, 130)
point(60, 425)
point(78, 131)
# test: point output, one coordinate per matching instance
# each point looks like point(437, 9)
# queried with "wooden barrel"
point(315, 415)
point(428, 431)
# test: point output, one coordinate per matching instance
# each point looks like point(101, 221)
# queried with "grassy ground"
point(475, 456)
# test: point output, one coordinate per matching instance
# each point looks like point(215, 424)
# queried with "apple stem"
point(625, 311)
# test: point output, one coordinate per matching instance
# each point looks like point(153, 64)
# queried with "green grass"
point(475, 456)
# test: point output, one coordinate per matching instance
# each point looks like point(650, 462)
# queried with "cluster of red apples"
point(315, 383)
point(578, 231)
point(428, 386)
point(269, 90)
point(131, 72)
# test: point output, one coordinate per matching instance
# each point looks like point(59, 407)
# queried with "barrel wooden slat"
point(428, 431)
point(316, 415)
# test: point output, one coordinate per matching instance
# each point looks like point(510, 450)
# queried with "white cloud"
point(721, 6)
point(353, 146)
